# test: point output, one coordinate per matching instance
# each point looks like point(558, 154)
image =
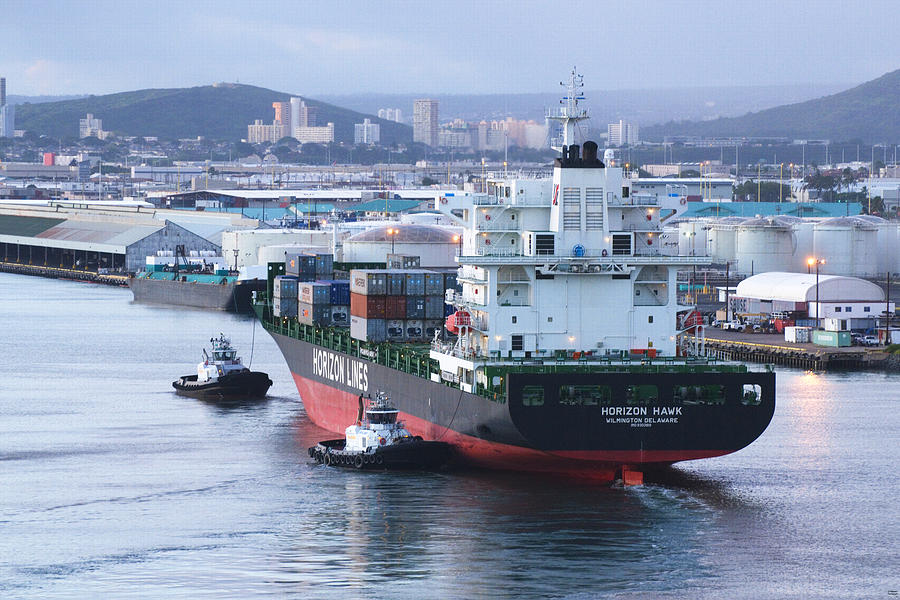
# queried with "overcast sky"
point(428, 47)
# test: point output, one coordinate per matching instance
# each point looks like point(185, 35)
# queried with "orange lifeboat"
point(457, 320)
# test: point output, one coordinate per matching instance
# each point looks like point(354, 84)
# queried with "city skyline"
point(398, 46)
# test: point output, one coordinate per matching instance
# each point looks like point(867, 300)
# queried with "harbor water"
point(112, 486)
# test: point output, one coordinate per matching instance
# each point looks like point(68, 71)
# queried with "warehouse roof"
point(801, 287)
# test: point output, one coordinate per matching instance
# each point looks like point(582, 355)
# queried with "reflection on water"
point(113, 486)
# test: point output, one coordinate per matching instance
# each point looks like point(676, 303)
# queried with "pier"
point(771, 348)
point(118, 279)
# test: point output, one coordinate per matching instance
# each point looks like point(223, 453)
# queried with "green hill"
point(220, 111)
point(870, 112)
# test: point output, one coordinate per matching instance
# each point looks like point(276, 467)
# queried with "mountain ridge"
point(188, 112)
point(869, 112)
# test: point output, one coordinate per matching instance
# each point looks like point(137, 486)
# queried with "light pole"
point(235, 258)
point(458, 239)
point(391, 233)
point(810, 262)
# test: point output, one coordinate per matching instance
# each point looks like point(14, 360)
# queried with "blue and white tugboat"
point(379, 441)
point(223, 375)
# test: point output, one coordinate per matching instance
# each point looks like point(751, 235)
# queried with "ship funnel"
point(573, 152)
point(590, 155)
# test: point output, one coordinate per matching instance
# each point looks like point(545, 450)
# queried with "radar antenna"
point(569, 113)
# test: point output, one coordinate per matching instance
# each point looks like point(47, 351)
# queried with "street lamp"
point(810, 262)
point(458, 239)
point(392, 232)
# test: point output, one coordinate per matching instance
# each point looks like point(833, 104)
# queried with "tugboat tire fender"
point(358, 462)
point(328, 460)
point(379, 459)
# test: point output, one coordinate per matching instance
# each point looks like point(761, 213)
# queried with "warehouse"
point(854, 300)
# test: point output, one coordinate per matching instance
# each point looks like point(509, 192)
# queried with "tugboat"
point(223, 375)
point(379, 441)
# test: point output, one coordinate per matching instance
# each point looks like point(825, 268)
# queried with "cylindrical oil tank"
point(803, 234)
point(692, 237)
point(722, 237)
point(849, 246)
point(763, 245)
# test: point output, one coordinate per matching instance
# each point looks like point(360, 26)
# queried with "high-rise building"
point(622, 133)
point(90, 126)
point(283, 116)
point(7, 113)
point(315, 135)
point(425, 121)
point(391, 114)
point(366, 132)
point(259, 132)
point(302, 115)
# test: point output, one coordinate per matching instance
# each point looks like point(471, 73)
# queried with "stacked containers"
point(368, 290)
point(284, 302)
point(310, 265)
point(340, 301)
point(402, 262)
point(314, 306)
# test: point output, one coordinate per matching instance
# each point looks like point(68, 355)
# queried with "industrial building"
point(112, 239)
point(856, 302)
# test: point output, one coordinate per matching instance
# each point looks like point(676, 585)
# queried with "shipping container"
point(415, 330)
point(367, 307)
point(434, 284)
point(415, 307)
point(834, 339)
point(450, 282)
point(796, 335)
point(368, 330)
point(285, 287)
point(395, 330)
point(434, 307)
point(300, 265)
point(340, 315)
point(284, 307)
point(315, 293)
point(402, 262)
point(396, 284)
point(449, 309)
point(432, 326)
point(314, 314)
point(340, 290)
point(368, 282)
point(415, 283)
point(395, 307)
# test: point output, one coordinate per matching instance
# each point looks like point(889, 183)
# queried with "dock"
point(771, 348)
point(116, 279)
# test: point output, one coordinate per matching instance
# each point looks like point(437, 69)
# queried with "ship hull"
point(231, 296)
point(593, 441)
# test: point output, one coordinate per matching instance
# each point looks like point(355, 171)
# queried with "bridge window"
point(641, 394)
point(585, 395)
point(533, 395)
point(751, 394)
point(699, 394)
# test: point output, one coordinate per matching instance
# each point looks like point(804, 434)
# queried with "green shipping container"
point(834, 339)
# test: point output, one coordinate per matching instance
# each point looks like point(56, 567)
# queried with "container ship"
point(196, 281)
point(555, 346)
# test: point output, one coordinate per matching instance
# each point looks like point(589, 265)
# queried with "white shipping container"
point(796, 334)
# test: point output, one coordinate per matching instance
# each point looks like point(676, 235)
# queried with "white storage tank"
point(765, 244)
point(803, 236)
point(435, 246)
point(692, 238)
point(849, 246)
point(889, 246)
point(722, 237)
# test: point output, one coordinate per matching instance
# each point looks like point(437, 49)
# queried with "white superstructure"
point(567, 266)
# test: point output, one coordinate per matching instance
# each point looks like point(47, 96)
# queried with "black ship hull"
point(230, 296)
point(517, 432)
point(241, 384)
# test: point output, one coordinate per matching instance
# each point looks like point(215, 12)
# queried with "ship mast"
point(569, 113)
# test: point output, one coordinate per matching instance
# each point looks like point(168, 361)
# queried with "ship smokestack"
point(573, 152)
point(590, 155)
